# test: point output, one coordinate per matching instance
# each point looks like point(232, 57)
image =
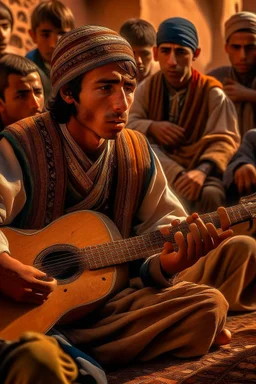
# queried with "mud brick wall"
point(21, 42)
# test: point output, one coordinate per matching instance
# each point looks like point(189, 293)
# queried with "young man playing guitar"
point(79, 156)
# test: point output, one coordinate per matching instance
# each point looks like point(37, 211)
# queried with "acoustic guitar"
point(84, 252)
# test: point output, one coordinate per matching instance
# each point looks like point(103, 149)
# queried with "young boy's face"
point(144, 57)
point(46, 36)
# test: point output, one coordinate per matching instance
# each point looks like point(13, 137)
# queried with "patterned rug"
point(234, 363)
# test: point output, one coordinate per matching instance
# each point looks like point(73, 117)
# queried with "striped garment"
point(51, 160)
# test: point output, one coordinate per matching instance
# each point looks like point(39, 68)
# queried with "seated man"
point(21, 90)
point(6, 26)
point(49, 20)
point(88, 161)
point(142, 37)
point(239, 79)
point(189, 121)
point(240, 175)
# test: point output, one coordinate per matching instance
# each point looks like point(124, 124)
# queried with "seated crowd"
point(122, 125)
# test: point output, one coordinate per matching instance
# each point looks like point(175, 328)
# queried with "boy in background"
point(142, 37)
point(49, 21)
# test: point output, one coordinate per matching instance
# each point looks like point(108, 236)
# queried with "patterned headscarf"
point(238, 21)
point(86, 48)
point(177, 30)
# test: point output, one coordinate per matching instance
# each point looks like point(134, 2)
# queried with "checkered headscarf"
point(86, 48)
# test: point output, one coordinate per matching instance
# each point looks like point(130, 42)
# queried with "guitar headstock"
point(249, 203)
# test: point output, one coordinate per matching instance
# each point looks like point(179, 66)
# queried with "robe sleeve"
point(138, 115)
point(160, 205)
point(12, 191)
point(223, 123)
point(171, 168)
point(4, 245)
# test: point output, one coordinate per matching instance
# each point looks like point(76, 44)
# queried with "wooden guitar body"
point(78, 291)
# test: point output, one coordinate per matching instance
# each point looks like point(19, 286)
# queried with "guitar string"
point(94, 247)
point(71, 262)
point(99, 256)
point(129, 243)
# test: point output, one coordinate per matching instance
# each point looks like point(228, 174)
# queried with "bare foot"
point(223, 337)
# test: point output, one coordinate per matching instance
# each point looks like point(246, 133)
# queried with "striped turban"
point(86, 48)
point(238, 21)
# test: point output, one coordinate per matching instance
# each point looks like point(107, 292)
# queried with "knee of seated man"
point(43, 355)
point(240, 248)
point(214, 296)
point(208, 301)
point(214, 304)
point(210, 192)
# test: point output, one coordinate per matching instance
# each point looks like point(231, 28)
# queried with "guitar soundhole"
point(63, 262)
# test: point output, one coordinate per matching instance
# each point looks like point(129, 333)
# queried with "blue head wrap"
point(178, 31)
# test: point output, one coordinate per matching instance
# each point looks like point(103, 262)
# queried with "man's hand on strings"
point(201, 239)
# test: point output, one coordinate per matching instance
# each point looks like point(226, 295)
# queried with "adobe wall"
point(249, 5)
point(207, 15)
point(21, 10)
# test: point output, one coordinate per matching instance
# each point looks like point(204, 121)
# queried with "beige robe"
point(245, 110)
point(222, 119)
point(211, 132)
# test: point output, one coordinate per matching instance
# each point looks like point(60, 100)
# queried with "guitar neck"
point(140, 247)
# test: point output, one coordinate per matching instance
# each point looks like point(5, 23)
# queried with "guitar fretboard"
point(139, 247)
